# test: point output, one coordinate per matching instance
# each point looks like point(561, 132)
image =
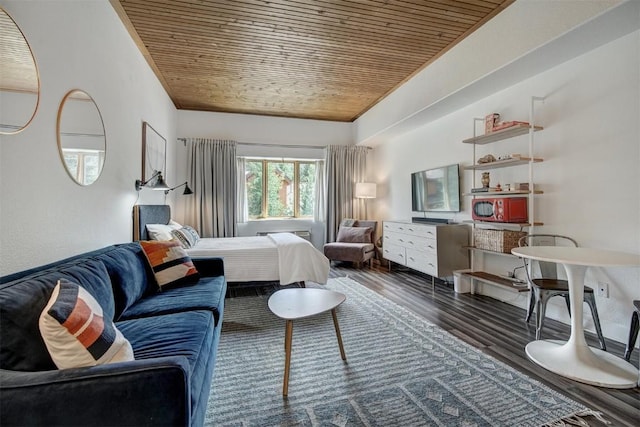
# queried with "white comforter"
point(282, 257)
point(299, 260)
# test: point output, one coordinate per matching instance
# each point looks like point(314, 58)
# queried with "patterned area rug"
point(401, 371)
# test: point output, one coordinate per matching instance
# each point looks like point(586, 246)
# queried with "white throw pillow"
point(75, 331)
point(161, 231)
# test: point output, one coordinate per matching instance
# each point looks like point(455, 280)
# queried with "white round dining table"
point(574, 358)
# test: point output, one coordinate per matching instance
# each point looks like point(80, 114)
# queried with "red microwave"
point(500, 209)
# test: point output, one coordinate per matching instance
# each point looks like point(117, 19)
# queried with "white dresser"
point(434, 249)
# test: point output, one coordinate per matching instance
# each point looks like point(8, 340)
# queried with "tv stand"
point(420, 219)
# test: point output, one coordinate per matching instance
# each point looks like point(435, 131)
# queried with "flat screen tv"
point(436, 190)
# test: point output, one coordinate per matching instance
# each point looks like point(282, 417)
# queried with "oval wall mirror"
point(19, 81)
point(81, 137)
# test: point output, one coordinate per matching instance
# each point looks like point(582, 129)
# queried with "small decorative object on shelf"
point(490, 121)
point(485, 179)
point(489, 158)
point(503, 125)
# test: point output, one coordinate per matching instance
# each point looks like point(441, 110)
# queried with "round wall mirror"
point(81, 137)
point(19, 82)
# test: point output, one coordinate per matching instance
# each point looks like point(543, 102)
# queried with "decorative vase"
point(485, 179)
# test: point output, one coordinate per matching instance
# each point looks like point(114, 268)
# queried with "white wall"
point(590, 175)
point(507, 42)
point(44, 215)
point(261, 136)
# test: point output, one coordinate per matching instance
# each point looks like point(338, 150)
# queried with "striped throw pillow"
point(170, 263)
point(186, 235)
point(75, 331)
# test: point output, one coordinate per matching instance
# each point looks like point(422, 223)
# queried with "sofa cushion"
point(190, 334)
point(207, 294)
point(22, 302)
point(130, 274)
point(170, 263)
point(75, 331)
point(354, 235)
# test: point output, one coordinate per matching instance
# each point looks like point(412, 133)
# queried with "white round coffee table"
point(292, 304)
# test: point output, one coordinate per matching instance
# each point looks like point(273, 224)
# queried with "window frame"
point(264, 214)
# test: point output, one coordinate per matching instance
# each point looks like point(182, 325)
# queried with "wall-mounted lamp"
point(156, 182)
point(365, 190)
point(186, 191)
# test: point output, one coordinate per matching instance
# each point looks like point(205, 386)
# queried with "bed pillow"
point(76, 332)
point(354, 235)
point(160, 231)
point(170, 263)
point(187, 236)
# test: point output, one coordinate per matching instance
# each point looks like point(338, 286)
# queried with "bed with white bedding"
point(280, 257)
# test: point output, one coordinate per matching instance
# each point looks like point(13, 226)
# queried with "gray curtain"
point(345, 165)
point(213, 176)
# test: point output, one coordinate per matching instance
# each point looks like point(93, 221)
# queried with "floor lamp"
point(365, 190)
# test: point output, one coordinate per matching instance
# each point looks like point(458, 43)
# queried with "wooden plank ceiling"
point(18, 70)
point(315, 59)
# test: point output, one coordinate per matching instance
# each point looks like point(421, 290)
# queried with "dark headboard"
point(148, 214)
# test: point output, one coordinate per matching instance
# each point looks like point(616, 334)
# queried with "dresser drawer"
point(398, 227)
point(422, 261)
point(395, 253)
point(420, 230)
point(411, 242)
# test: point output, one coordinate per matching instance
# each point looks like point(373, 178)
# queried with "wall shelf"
point(502, 224)
point(499, 135)
point(478, 262)
point(487, 251)
point(501, 193)
point(495, 280)
point(514, 161)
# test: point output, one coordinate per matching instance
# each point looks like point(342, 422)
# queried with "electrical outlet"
point(603, 290)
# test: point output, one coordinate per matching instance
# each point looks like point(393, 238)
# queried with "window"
point(280, 189)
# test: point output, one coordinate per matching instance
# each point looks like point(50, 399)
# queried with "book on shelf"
point(485, 189)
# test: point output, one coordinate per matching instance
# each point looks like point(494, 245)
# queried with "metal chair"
point(633, 330)
point(548, 285)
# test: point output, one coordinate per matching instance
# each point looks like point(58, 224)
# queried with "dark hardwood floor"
point(498, 329)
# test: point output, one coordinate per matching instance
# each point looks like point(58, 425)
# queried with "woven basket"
point(497, 240)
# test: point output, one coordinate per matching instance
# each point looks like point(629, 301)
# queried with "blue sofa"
point(174, 335)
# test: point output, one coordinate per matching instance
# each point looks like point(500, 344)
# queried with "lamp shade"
point(365, 190)
point(158, 184)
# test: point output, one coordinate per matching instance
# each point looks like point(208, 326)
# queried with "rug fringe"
point(577, 419)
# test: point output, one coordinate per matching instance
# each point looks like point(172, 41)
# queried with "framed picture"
point(154, 152)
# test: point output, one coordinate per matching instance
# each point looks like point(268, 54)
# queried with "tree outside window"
point(280, 189)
